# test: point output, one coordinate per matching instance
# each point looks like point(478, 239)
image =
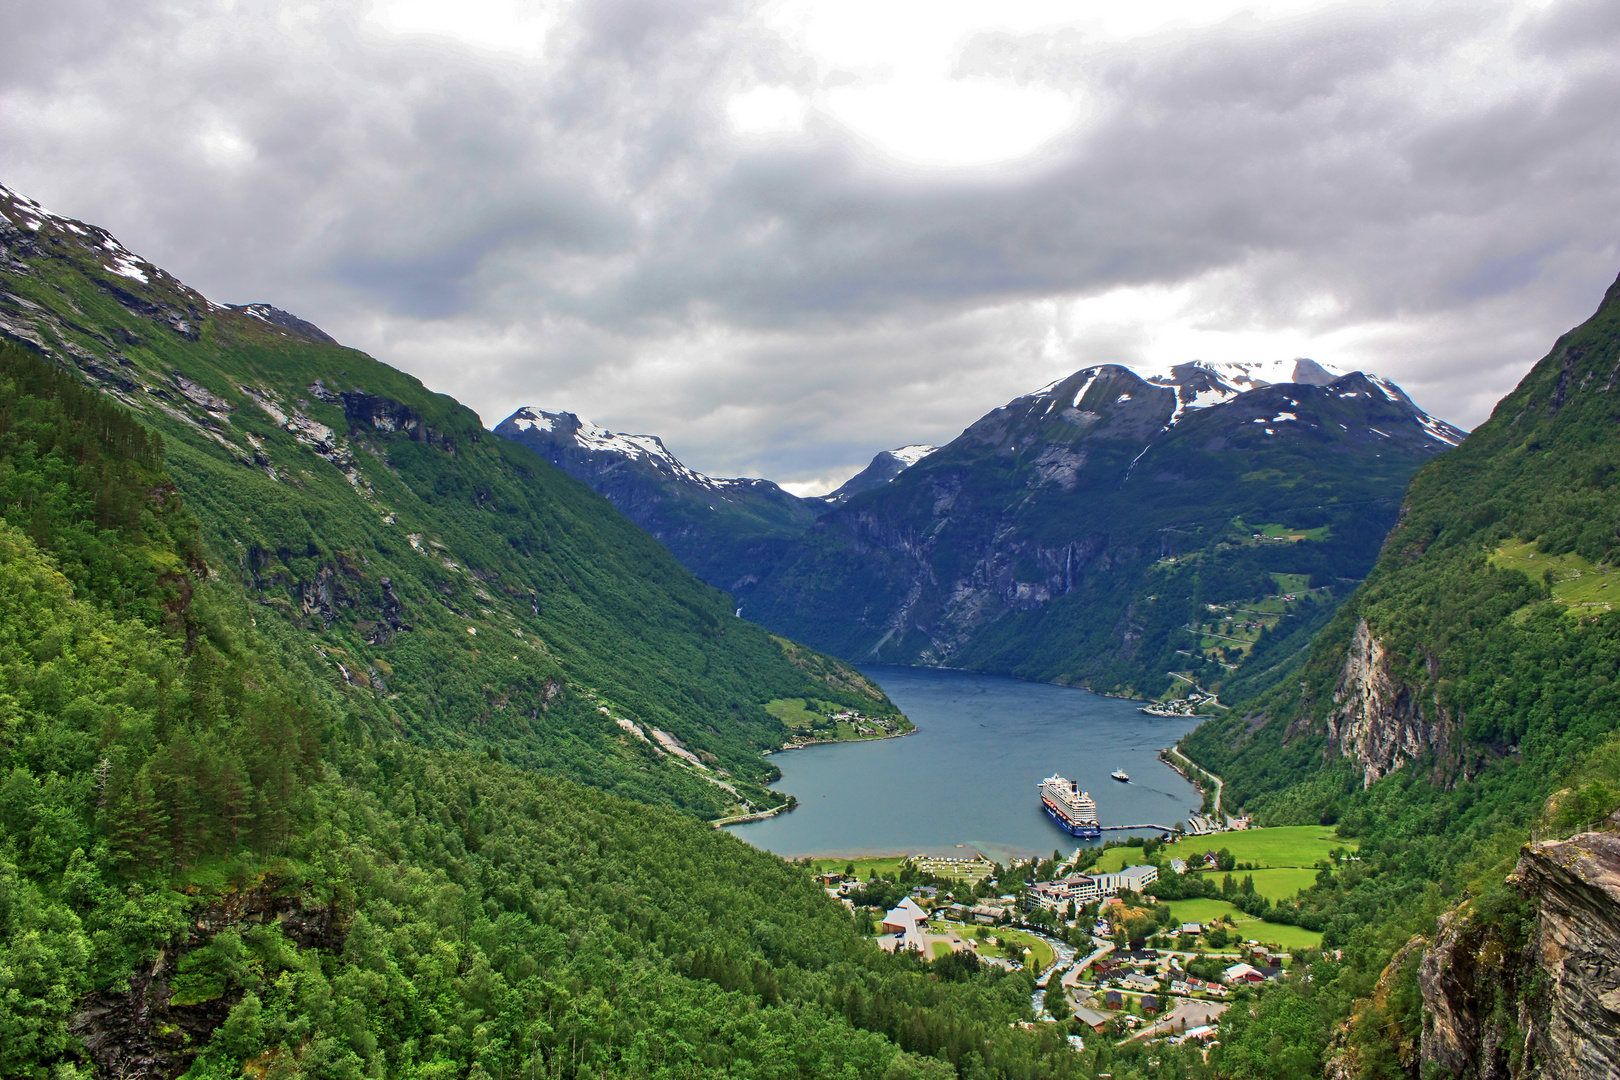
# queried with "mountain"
point(450, 582)
point(726, 531)
point(1074, 534)
point(885, 466)
point(1459, 720)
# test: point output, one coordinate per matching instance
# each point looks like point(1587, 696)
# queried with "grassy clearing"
point(1273, 934)
point(1289, 845)
point(1040, 950)
point(1204, 910)
point(1281, 883)
point(1581, 585)
point(864, 868)
point(1292, 583)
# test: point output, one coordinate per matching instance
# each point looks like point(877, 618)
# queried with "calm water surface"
point(966, 780)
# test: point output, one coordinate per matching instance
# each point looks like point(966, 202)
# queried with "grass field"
point(864, 868)
point(1278, 884)
point(941, 948)
point(1290, 845)
point(1274, 934)
point(1042, 952)
point(1581, 585)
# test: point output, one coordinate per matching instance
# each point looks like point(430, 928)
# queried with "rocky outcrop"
point(1573, 1027)
point(139, 1033)
point(1532, 991)
point(1376, 718)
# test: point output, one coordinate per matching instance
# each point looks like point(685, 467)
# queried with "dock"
point(1149, 825)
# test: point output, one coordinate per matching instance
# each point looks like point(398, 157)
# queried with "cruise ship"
point(1073, 809)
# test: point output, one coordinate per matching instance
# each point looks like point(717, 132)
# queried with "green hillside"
point(1449, 698)
point(218, 861)
point(449, 580)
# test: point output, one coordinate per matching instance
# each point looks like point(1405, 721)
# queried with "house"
point(926, 891)
point(1180, 988)
point(831, 877)
point(1114, 1000)
point(1093, 1019)
point(985, 913)
point(1238, 974)
point(1140, 982)
point(1178, 866)
point(1150, 1004)
point(1192, 928)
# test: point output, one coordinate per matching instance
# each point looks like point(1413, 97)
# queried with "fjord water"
point(966, 780)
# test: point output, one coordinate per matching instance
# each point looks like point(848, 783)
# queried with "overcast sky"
point(787, 235)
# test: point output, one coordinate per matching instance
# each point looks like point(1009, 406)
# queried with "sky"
point(786, 235)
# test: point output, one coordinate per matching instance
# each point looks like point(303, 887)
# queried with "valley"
point(344, 737)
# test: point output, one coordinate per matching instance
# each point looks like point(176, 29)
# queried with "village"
point(1110, 960)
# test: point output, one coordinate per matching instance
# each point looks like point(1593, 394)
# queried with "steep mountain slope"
point(726, 531)
point(217, 860)
point(475, 594)
point(1462, 702)
point(1074, 533)
point(885, 466)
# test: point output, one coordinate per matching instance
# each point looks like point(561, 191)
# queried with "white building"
point(903, 927)
point(1083, 889)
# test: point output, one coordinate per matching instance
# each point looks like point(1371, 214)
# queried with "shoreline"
point(839, 742)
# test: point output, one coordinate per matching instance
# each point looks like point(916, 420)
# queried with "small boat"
point(1121, 775)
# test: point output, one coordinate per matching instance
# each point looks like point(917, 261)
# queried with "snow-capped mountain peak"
point(884, 467)
point(649, 449)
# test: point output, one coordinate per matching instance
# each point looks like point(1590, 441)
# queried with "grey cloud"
point(553, 228)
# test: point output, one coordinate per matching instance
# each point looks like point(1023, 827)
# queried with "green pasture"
point(864, 867)
point(799, 713)
point(1288, 845)
point(1582, 585)
point(1247, 926)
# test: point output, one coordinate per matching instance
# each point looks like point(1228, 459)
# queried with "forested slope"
point(1471, 677)
point(471, 592)
point(217, 860)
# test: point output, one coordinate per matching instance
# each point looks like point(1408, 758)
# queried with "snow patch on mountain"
point(910, 455)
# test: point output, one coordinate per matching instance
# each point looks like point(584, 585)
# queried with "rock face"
point(1376, 719)
point(1575, 1019)
point(1503, 1002)
point(141, 1034)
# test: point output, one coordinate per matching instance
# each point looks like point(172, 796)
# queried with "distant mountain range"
point(1067, 535)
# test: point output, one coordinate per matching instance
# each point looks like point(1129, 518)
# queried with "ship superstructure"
point(1074, 810)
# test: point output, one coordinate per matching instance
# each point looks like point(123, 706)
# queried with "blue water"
point(966, 780)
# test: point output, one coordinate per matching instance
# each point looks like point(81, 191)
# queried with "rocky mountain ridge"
point(971, 556)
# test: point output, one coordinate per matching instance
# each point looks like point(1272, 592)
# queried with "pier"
point(1149, 825)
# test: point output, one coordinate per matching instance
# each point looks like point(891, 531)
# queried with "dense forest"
point(212, 860)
